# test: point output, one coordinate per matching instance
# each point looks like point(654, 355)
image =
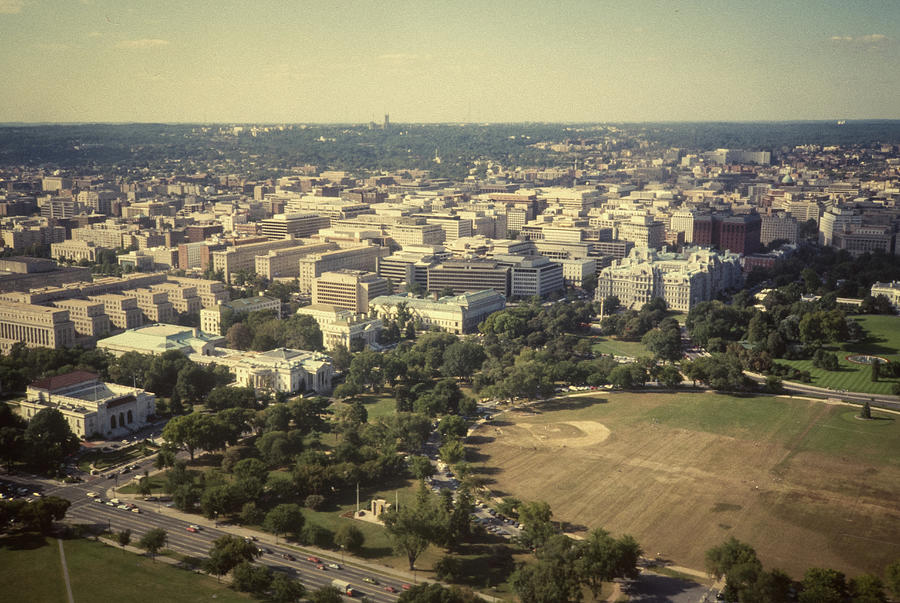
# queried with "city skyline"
point(580, 61)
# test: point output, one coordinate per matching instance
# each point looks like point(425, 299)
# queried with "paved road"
point(85, 510)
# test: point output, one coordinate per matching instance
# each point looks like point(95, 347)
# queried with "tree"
point(536, 516)
point(604, 558)
point(49, 439)
point(452, 452)
point(413, 527)
point(721, 559)
point(326, 594)
point(892, 577)
point(462, 359)
point(251, 514)
point(41, 513)
point(867, 588)
point(123, 538)
point(670, 376)
point(239, 336)
point(453, 426)
point(153, 541)
point(866, 411)
point(349, 537)
point(433, 592)
point(251, 578)
point(285, 519)
point(285, 590)
point(420, 466)
point(227, 552)
point(664, 343)
point(822, 585)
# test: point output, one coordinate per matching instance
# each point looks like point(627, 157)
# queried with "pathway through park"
point(65, 571)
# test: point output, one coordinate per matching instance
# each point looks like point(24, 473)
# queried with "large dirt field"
point(806, 483)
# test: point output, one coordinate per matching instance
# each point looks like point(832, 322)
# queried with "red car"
point(390, 589)
point(313, 559)
point(405, 586)
point(191, 529)
point(322, 567)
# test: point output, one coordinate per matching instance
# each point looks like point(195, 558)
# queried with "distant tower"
point(387, 122)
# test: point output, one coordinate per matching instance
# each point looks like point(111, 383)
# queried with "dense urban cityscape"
point(239, 343)
point(459, 302)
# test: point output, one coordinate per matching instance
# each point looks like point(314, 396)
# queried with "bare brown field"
point(801, 481)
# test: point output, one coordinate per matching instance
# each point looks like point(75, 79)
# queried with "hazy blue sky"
point(519, 60)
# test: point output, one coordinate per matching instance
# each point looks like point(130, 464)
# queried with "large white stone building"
point(889, 290)
point(90, 406)
point(278, 370)
point(682, 279)
point(456, 314)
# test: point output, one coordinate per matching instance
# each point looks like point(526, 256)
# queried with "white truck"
point(344, 587)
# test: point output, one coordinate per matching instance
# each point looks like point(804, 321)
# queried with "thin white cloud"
point(868, 39)
point(142, 43)
point(11, 7)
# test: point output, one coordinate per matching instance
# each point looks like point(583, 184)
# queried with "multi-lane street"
point(87, 510)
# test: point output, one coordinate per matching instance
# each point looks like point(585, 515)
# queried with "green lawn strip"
point(104, 573)
point(31, 569)
point(102, 460)
point(616, 347)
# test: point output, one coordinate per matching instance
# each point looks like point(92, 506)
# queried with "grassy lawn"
point(806, 483)
point(31, 570)
point(378, 405)
point(611, 345)
point(20, 554)
point(883, 340)
point(102, 573)
point(156, 485)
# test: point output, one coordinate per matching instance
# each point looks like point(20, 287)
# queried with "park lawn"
point(378, 405)
point(20, 555)
point(616, 347)
point(102, 573)
point(883, 340)
point(842, 432)
point(805, 482)
point(157, 484)
point(102, 460)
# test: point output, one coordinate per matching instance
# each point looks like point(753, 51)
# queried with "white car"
point(92, 495)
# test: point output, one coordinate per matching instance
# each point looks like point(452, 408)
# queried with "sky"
point(267, 61)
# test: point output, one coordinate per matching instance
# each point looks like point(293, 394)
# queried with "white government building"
point(90, 406)
point(278, 370)
point(683, 279)
point(455, 313)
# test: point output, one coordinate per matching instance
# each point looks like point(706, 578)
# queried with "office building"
point(282, 226)
point(738, 233)
point(122, 310)
point(349, 289)
point(285, 263)
point(35, 326)
point(211, 318)
point(364, 257)
point(778, 226)
point(461, 276)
